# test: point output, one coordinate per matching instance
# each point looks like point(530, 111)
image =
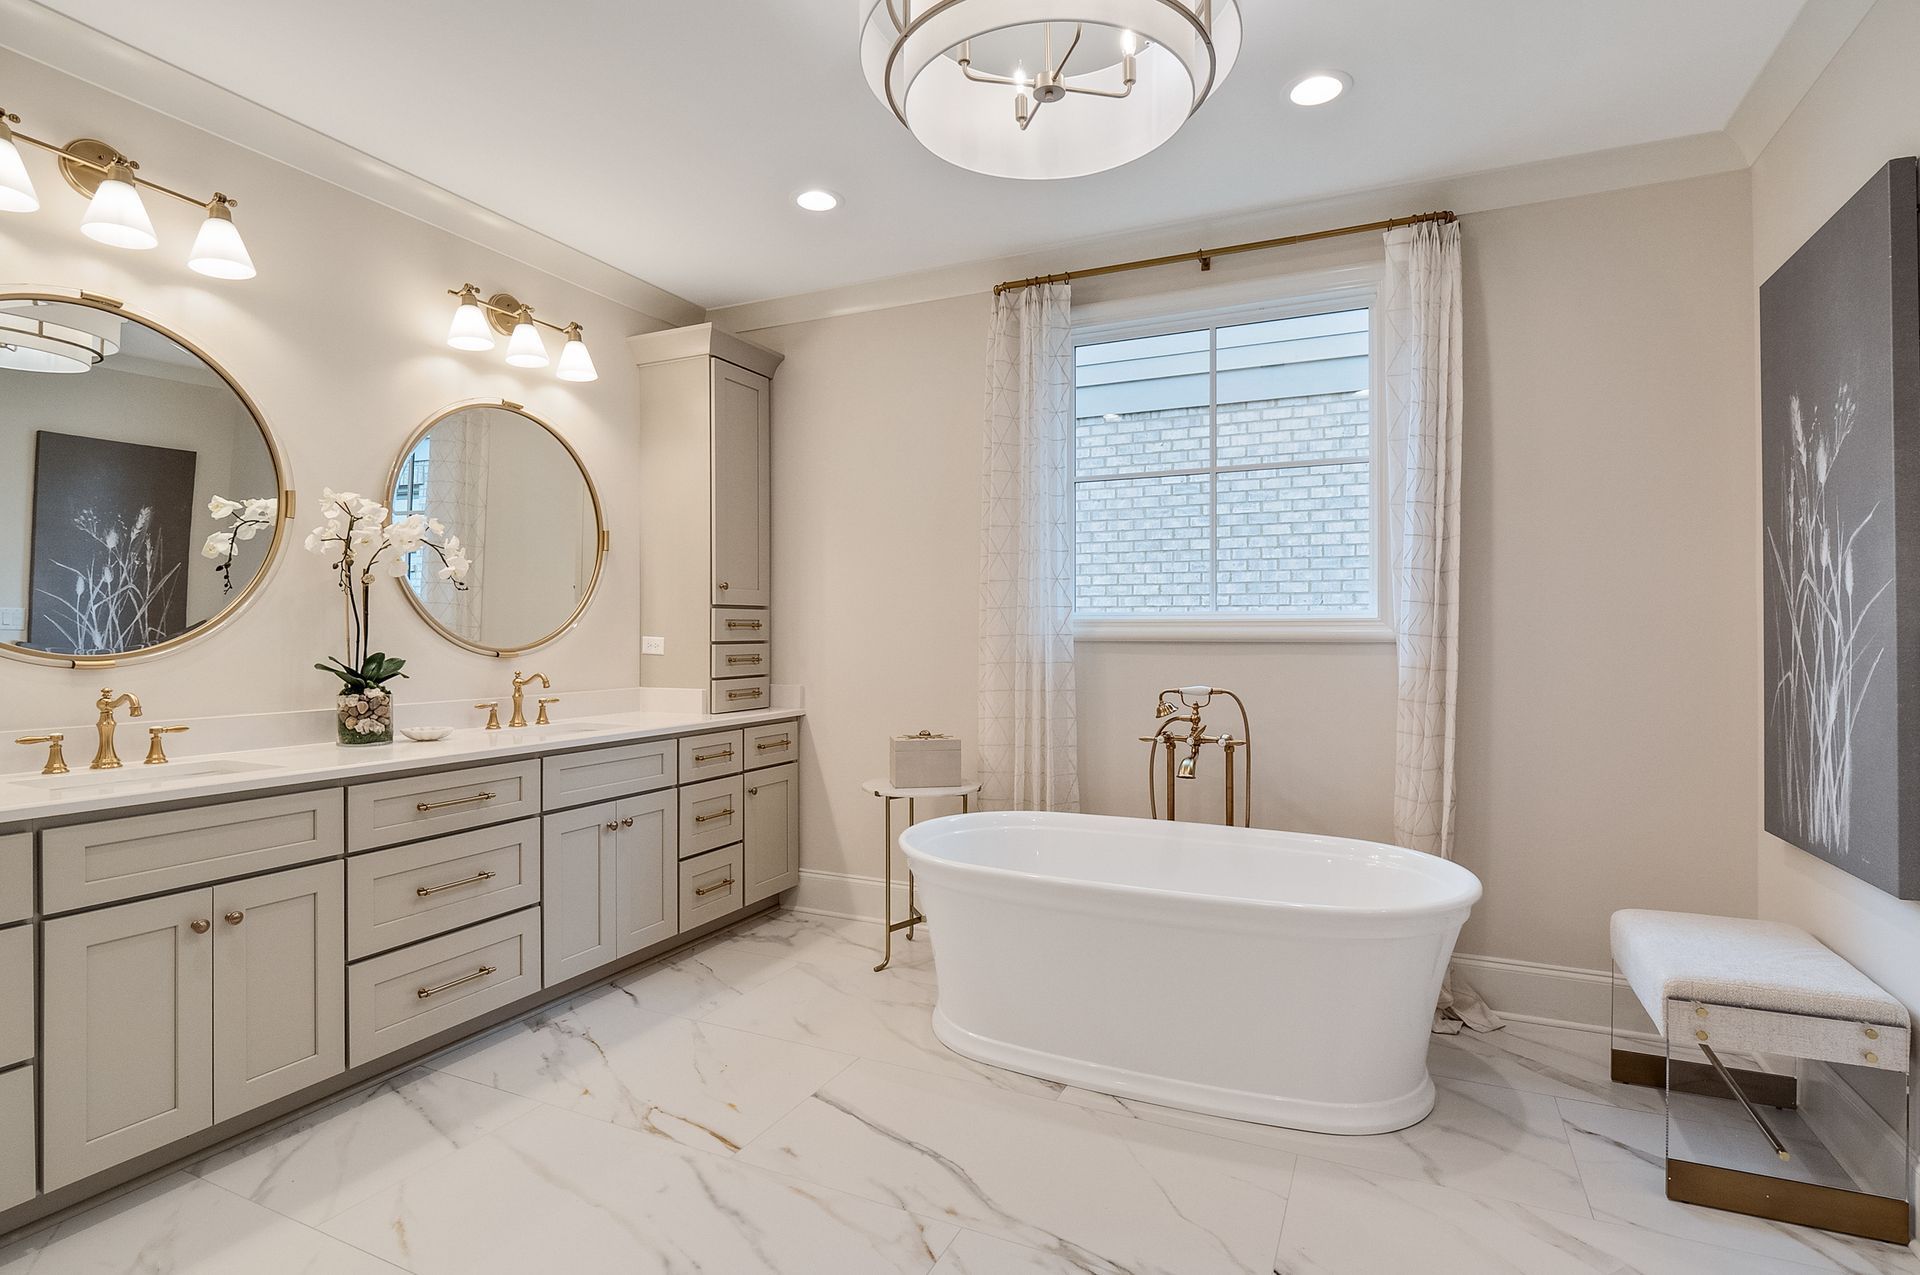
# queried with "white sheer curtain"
point(1421, 306)
point(1029, 745)
point(457, 476)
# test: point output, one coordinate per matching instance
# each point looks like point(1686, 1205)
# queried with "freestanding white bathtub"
point(1267, 976)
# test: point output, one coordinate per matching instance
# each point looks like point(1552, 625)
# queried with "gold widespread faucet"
point(105, 757)
point(520, 685)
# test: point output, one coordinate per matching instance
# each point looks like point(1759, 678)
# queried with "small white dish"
point(425, 734)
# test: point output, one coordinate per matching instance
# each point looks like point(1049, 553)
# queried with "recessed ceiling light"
point(817, 200)
point(1319, 88)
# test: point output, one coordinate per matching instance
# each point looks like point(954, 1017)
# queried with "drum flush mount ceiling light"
point(1096, 84)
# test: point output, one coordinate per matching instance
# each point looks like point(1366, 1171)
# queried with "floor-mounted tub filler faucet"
point(1182, 730)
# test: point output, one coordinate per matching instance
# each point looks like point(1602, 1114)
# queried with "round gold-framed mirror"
point(142, 494)
point(527, 515)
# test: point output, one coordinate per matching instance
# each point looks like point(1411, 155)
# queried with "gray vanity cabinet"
point(742, 486)
point(166, 1015)
point(609, 882)
point(16, 1137)
point(772, 844)
point(646, 872)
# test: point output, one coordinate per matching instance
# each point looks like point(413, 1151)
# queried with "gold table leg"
point(913, 908)
point(886, 906)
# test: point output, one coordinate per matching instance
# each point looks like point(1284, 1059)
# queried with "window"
point(410, 497)
point(1225, 472)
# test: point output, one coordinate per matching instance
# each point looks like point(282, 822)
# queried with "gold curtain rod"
point(1205, 256)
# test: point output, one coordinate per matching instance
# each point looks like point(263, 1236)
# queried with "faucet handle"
point(493, 713)
point(56, 755)
point(156, 746)
point(542, 720)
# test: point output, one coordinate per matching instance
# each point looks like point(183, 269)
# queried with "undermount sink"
point(139, 776)
point(536, 734)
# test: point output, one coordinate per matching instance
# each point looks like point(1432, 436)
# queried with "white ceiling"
point(668, 139)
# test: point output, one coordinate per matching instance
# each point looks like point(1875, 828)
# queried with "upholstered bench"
point(1788, 1012)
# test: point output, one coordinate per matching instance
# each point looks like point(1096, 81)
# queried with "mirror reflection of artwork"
point(526, 514)
point(114, 438)
point(111, 522)
point(1840, 449)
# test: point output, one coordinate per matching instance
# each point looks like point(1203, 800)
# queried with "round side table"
point(888, 794)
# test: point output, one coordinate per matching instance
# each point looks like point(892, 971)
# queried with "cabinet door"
point(648, 871)
point(742, 487)
point(279, 985)
point(577, 898)
point(17, 1140)
point(772, 831)
point(128, 1023)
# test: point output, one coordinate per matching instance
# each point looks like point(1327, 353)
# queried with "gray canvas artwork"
point(1840, 473)
point(111, 526)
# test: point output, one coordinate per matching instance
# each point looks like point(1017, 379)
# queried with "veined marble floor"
point(768, 1103)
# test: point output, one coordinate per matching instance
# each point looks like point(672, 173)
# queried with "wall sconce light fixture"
point(475, 321)
point(116, 216)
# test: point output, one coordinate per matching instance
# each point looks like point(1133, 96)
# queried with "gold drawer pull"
point(782, 743)
point(753, 694)
point(428, 891)
point(743, 624)
point(482, 972)
point(425, 806)
point(703, 890)
point(717, 755)
point(718, 814)
point(743, 659)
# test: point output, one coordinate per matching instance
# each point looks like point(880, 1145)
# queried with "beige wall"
point(341, 342)
point(1863, 111)
point(1606, 757)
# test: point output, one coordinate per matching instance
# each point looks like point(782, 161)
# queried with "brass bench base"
point(1872, 1217)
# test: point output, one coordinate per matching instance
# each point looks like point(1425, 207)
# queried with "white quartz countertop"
point(27, 798)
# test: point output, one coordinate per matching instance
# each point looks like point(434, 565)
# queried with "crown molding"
point(1817, 34)
point(73, 48)
point(1675, 159)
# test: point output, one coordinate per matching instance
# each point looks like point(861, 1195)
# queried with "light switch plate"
point(13, 617)
point(653, 646)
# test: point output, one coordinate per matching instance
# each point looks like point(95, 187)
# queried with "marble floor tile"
point(1343, 1221)
point(701, 981)
point(708, 1087)
point(324, 1162)
point(181, 1225)
point(842, 946)
point(1622, 1157)
point(1559, 1062)
point(1486, 1139)
point(559, 1192)
point(976, 1254)
point(1099, 1192)
point(862, 1013)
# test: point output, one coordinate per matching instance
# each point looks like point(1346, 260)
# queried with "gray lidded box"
point(925, 760)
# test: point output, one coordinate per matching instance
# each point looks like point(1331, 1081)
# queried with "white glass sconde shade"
point(470, 329)
point(576, 364)
point(16, 187)
point(1178, 51)
point(217, 250)
point(524, 347)
point(116, 216)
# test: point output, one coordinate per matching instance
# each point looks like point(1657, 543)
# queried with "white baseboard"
point(1557, 995)
point(846, 895)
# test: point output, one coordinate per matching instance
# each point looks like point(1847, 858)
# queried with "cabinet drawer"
point(710, 815)
point(409, 995)
point(737, 694)
point(119, 859)
point(395, 810)
point(736, 624)
point(742, 659)
point(772, 745)
point(710, 887)
point(16, 877)
point(577, 779)
point(414, 892)
point(16, 995)
point(710, 756)
point(18, 1140)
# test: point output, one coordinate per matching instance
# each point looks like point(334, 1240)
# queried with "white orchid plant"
point(245, 519)
point(361, 542)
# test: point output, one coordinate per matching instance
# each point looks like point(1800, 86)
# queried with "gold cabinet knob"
point(613, 825)
point(200, 927)
point(722, 586)
point(235, 917)
point(627, 822)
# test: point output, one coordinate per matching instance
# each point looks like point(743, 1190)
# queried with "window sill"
point(1197, 628)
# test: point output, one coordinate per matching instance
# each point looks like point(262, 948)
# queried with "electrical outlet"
point(653, 646)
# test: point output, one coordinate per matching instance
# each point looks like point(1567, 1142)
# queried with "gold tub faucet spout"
point(520, 685)
point(105, 757)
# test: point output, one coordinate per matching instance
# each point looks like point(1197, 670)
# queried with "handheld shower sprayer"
point(1182, 724)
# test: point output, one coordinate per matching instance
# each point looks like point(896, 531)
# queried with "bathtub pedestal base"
point(1387, 1116)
